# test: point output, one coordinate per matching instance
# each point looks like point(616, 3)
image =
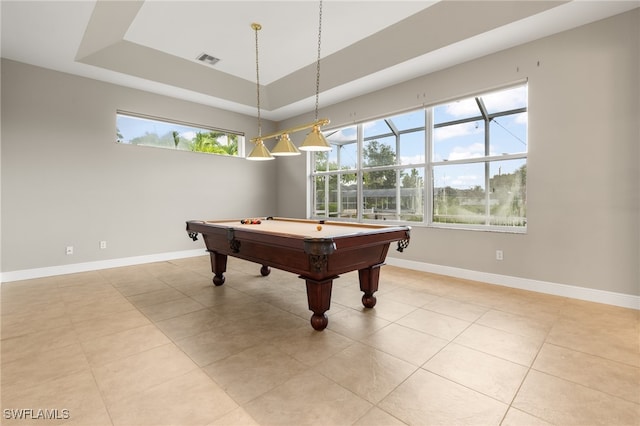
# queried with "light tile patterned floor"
point(158, 344)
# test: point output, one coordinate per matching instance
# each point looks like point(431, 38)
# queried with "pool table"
point(318, 251)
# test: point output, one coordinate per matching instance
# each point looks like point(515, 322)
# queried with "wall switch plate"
point(69, 250)
point(103, 244)
point(499, 255)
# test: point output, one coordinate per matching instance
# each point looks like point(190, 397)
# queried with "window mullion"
point(487, 168)
point(398, 183)
point(359, 173)
point(428, 172)
point(327, 195)
point(339, 181)
point(481, 159)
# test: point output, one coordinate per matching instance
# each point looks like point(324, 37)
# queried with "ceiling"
point(365, 45)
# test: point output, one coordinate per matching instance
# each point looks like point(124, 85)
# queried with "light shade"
point(260, 152)
point(284, 147)
point(315, 141)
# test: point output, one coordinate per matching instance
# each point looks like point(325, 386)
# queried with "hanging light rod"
point(314, 141)
point(321, 122)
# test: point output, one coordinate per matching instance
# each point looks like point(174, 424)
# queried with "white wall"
point(66, 182)
point(583, 184)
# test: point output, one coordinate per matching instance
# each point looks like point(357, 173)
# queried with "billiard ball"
point(251, 221)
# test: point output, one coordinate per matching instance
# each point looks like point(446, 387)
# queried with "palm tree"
point(209, 142)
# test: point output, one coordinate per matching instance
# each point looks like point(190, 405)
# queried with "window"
point(135, 129)
point(479, 159)
point(335, 180)
point(459, 164)
point(376, 176)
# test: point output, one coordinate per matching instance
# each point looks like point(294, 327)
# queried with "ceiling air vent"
point(207, 59)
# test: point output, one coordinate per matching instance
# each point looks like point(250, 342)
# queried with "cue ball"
point(319, 227)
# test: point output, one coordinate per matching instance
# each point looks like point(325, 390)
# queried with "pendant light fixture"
point(284, 146)
point(314, 141)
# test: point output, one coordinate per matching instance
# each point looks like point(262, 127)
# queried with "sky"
point(131, 127)
point(454, 142)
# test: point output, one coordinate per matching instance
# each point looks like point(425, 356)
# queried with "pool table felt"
point(301, 228)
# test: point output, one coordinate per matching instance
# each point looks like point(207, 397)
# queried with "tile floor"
point(157, 344)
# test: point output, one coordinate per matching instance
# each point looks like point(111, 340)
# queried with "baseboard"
point(574, 292)
point(50, 271)
point(564, 290)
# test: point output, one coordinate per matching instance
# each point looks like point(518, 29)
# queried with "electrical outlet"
point(69, 249)
point(499, 255)
point(103, 244)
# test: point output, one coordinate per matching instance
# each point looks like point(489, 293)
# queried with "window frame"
point(240, 152)
point(427, 167)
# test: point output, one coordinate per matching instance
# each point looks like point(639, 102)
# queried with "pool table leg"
point(218, 267)
point(369, 278)
point(319, 298)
